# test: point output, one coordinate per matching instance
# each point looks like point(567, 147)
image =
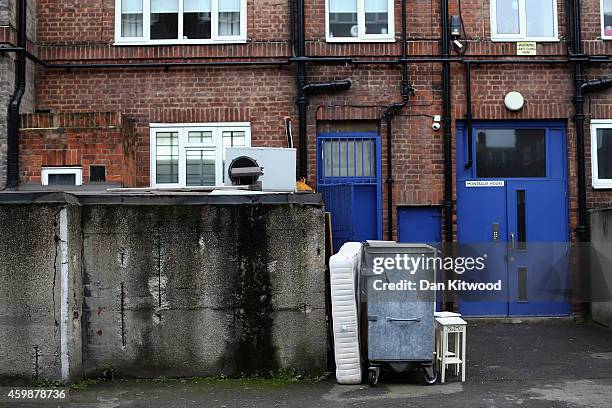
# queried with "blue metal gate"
point(349, 179)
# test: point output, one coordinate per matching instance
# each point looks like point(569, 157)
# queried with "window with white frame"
point(606, 19)
point(61, 176)
point(359, 20)
point(193, 155)
point(601, 153)
point(180, 21)
point(524, 20)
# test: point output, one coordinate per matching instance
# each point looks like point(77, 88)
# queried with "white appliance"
point(279, 173)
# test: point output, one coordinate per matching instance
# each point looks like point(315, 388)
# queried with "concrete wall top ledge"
point(29, 197)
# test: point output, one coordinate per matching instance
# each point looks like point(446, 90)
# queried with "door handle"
point(393, 319)
point(512, 240)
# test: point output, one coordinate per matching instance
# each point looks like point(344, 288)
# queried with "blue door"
point(512, 206)
point(349, 179)
point(419, 225)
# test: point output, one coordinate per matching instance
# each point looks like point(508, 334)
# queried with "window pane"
point(200, 137)
point(131, 18)
point(167, 157)
point(348, 158)
point(62, 179)
point(343, 18)
point(164, 19)
point(604, 153)
point(540, 18)
point(233, 139)
point(229, 17)
point(376, 16)
point(197, 19)
point(200, 169)
point(607, 16)
point(507, 16)
point(510, 153)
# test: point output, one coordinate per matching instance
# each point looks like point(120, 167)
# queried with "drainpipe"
point(446, 120)
point(302, 100)
point(15, 103)
point(406, 91)
point(583, 230)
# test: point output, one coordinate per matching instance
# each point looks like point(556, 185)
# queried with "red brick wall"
point(78, 140)
point(72, 31)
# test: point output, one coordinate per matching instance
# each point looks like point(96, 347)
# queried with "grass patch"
point(272, 379)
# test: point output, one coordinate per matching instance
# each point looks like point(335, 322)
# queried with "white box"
point(278, 166)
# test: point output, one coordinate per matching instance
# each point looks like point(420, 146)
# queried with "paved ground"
point(550, 364)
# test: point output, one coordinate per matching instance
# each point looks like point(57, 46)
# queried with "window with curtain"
point(180, 21)
point(601, 153)
point(517, 20)
point(360, 20)
point(132, 18)
point(193, 155)
point(606, 19)
point(229, 18)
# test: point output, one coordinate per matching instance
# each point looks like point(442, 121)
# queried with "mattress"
point(344, 275)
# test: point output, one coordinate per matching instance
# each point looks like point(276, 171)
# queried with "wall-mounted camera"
point(436, 122)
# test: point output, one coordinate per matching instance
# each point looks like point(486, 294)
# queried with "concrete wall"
point(173, 290)
point(41, 291)
point(601, 237)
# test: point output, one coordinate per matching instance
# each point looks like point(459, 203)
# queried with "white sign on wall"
point(485, 183)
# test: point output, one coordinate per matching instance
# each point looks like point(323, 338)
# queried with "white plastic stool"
point(445, 327)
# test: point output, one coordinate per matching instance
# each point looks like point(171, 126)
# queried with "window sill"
point(360, 40)
point(536, 39)
point(176, 42)
point(603, 185)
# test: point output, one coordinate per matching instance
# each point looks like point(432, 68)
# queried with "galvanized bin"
point(398, 315)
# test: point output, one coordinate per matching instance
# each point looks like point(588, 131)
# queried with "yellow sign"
point(526, 48)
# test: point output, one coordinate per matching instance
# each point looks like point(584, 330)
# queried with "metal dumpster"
point(397, 314)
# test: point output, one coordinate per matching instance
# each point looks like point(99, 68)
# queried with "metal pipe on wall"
point(447, 121)
point(15, 103)
point(302, 100)
point(582, 230)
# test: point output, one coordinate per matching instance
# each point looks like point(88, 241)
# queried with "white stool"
point(446, 326)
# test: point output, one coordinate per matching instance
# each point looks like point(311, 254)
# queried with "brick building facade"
point(263, 96)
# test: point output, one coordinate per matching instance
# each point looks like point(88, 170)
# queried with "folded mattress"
point(344, 277)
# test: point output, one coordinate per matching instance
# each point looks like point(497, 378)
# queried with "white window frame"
point(522, 36)
point(603, 27)
point(183, 130)
point(363, 37)
point(596, 181)
point(146, 29)
point(46, 171)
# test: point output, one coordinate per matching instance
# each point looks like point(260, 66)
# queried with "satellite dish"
point(355, 31)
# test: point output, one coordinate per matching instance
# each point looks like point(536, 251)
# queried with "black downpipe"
point(583, 230)
point(406, 91)
point(15, 103)
point(468, 114)
point(302, 100)
point(446, 120)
